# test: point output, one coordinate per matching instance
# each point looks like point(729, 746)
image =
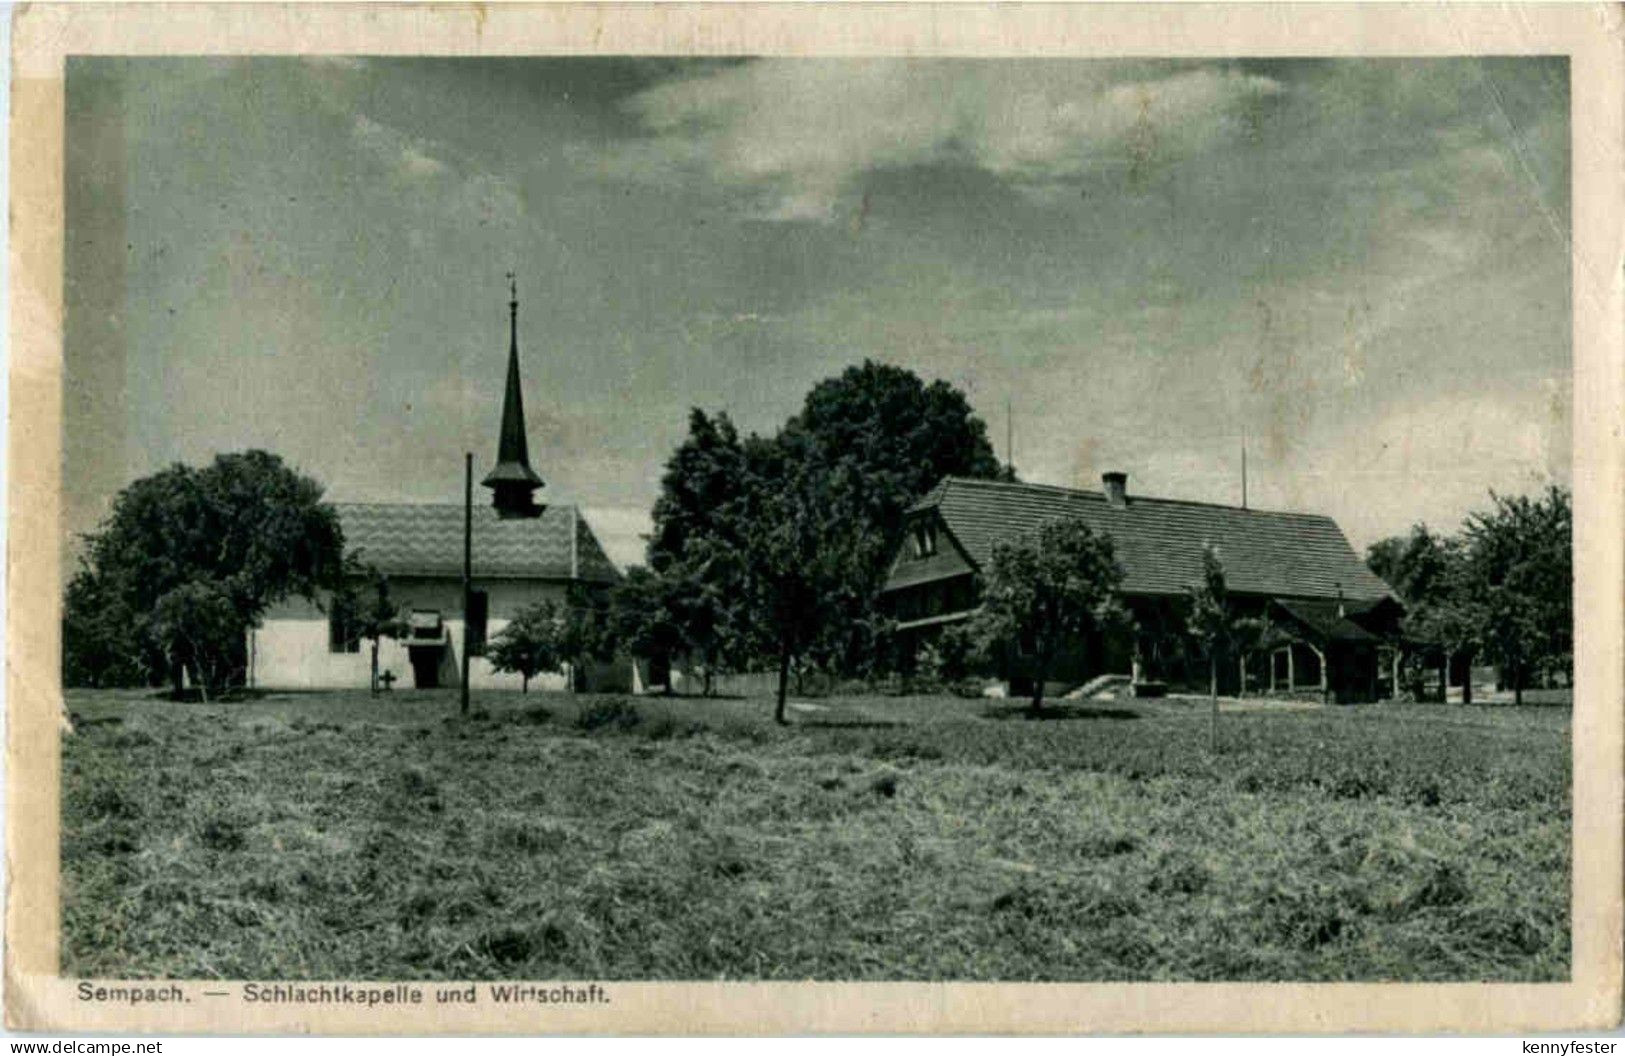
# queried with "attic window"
point(925, 539)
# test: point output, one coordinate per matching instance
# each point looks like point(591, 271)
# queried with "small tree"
point(586, 631)
point(201, 630)
point(642, 616)
point(1428, 572)
point(1451, 625)
point(1045, 591)
point(1214, 622)
point(530, 643)
point(956, 653)
point(795, 568)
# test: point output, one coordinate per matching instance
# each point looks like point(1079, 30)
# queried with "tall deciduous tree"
point(870, 442)
point(1418, 566)
point(775, 548)
point(1047, 591)
point(241, 533)
point(696, 554)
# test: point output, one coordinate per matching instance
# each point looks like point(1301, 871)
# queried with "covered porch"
point(1316, 647)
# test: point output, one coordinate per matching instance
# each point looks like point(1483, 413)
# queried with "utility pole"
point(468, 563)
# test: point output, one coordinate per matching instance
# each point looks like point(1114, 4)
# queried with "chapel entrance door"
point(425, 667)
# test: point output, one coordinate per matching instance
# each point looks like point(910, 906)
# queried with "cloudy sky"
point(1361, 267)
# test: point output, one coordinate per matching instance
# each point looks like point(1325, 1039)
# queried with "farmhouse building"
point(1331, 623)
point(521, 554)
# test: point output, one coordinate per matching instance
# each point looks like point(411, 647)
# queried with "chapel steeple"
point(512, 480)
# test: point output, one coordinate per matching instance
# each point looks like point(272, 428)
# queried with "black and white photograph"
point(545, 522)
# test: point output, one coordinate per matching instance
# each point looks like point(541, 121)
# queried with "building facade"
point(520, 552)
point(418, 547)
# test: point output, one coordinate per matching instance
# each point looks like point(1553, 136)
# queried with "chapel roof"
point(426, 539)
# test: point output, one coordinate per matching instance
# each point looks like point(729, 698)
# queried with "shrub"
point(612, 713)
point(222, 834)
point(884, 785)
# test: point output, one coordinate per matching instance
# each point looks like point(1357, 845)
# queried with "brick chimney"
point(1116, 487)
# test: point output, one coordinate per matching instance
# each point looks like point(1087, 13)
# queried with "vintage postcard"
point(803, 519)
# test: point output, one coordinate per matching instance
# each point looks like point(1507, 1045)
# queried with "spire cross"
point(512, 480)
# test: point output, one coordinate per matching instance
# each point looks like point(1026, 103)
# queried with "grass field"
point(333, 836)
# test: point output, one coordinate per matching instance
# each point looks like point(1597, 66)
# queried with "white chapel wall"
point(290, 649)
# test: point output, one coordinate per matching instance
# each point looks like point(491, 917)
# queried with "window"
point(426, 626)
point(342, 636)
point(934, 598)
point(479, 608)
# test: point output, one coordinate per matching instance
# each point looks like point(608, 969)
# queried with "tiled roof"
point(427, 540)
point(1159, 541)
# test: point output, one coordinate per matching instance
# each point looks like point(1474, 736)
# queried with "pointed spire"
point(511, 479)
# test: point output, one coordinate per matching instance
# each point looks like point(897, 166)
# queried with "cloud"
point(347, 63)
point(405, 155)
point(476, 197)
point(797, 133)
point(416, 163)
point(487, 199)
point(623, 530)
point(1431, 456)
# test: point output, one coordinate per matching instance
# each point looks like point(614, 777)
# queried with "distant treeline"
point(1499, 590)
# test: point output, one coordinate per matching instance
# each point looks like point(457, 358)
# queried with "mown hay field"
point(306, 836)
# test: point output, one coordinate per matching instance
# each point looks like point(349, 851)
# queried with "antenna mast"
point(1009, 440)
point(1244, 469)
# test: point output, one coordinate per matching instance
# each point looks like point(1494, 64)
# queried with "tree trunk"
point(708, 687)
point(1467, 682)
point(1040, 673)
point(524, 682)
point(375, 667)
point(202, 687)
point(1213, 696)
point(1517, 684)
point(784, 683)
